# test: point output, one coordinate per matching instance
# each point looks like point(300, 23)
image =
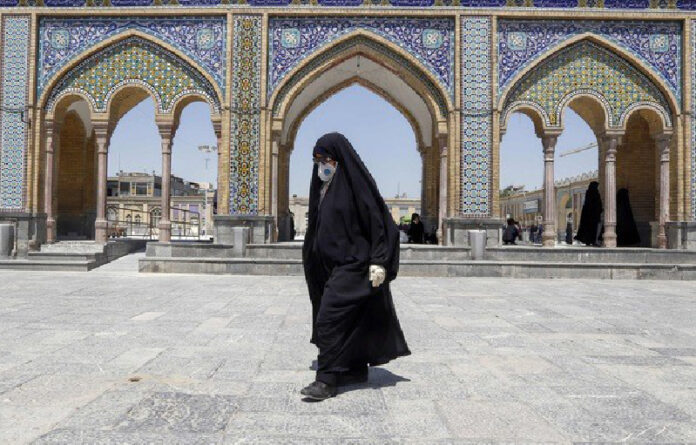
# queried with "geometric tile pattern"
point(61, 39)
point(385, 53)
point(245, 134)
point(135, 60)
point(430, 40)
point(586, 68)
point(688, 5)
point(14, 131)
point(657, 44)
point(476, 117)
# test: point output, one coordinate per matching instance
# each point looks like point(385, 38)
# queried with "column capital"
point(611, 138)
point(549, 140)
point(166, 128)
point(217, 128)
point(101, 132)
point(663, 143)
point(52, 126)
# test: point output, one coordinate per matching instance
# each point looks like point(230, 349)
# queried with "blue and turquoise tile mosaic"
point(203, 39)
point(655, 43)
point(476, 123)
point(13, 97)
point(430, 40)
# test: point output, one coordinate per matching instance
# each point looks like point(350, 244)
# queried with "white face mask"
point(326, 171)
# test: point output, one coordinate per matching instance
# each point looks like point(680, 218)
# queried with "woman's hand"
point(377, 275)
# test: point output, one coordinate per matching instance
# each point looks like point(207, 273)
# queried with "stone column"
point(442, 213)
point(52, 141)
point(549, 235)
point(166, 131)
point(663, 148)
point(274, 184)
point(424, 176)
point(611, 142)
point(101, 132)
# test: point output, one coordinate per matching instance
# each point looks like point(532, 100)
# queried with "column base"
point(165, 231)
point(29, 231)
point(455, 232)
point(609, 237)
point(261, 228)
point(101, 231)
point(681, 235)
point(548, 236)
point(51, 230)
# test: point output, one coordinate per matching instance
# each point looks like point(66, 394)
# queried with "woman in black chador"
point(590, 218)
point(416, 231)
point(350, 255)
point(626, 230)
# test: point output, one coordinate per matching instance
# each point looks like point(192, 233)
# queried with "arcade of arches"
point(456, 77)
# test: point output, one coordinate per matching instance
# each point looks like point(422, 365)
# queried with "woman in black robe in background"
point(416, 230)
point(590, 217)
point(351, 242)
point(626, 230)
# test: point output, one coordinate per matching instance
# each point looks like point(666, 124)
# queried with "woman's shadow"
point(377, 378)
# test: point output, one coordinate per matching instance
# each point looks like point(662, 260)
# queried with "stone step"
point(506, 254)
point(408, 251)
point(48, 265)
point(416, 268)
point(65, 256)
point(73, 247)
point(591, 255)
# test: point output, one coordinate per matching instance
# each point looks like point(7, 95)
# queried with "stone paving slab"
point(114, 357)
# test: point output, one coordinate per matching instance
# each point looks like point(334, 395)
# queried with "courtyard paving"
point(113, 356)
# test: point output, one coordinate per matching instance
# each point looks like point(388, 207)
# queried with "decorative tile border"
point(245, 129)
point(203, 39)
point(430, 40)
point(14, 94)
point(657, 44)
point(476, 137)
point(565, 4)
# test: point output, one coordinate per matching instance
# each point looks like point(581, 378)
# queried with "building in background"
point(400, 209)
point(525, 206)
point(134, 206)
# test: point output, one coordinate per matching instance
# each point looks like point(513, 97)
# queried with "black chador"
point(590, 218)
point(626, 230)
point(350, 233)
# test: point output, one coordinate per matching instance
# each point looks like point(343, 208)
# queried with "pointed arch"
point(612, 47)
point(54, 87)
point(378, 49)
point(294, 126)
point(585, 68)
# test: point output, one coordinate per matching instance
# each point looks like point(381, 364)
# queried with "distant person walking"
point(626, 229)
point(416, 231)
point(591, 217)
point(350, 255)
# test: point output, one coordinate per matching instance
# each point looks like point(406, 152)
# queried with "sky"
point(380, 134)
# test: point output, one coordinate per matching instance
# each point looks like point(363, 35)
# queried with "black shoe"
point(318, 391)
point(352, 377)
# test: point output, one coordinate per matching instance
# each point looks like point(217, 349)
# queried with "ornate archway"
point(371, 61)
point(605, 88)
point(112, 79)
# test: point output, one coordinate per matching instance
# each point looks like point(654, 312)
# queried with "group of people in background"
point(512, 232)
point(415, 231)
point(591, 227)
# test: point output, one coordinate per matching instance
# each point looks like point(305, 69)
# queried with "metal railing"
point(146, 227)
